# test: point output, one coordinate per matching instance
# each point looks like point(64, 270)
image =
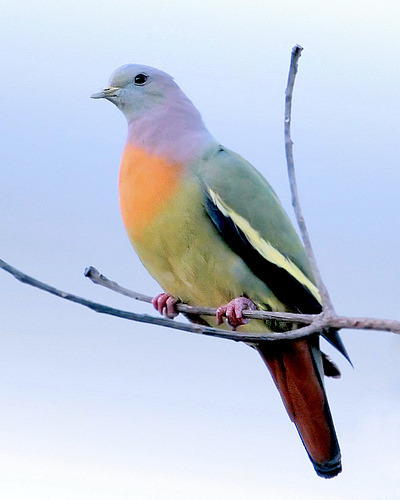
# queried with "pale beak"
point(105, 93)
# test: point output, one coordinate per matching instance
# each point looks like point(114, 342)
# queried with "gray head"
point(135, 88)
point(161, 119)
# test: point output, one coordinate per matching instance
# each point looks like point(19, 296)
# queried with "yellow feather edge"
point(263, 247)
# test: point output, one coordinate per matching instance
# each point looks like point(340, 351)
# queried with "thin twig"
point(326, 301)
point(320, 322)
point(333, 321)
point(99, 279)
point(144, 318)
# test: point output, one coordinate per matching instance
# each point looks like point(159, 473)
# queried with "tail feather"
point(333, 337)
point(329, 367)
point(297, 376)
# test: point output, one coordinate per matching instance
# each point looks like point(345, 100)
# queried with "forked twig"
point(99, 279)
point(323, 321)
point(144, 318)
point(333, 322)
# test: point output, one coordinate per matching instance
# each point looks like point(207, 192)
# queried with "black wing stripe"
point(284, 286)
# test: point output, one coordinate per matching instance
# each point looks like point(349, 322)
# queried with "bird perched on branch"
point(212, 232)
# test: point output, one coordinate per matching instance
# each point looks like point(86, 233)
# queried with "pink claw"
point(165, 304)
point(234, 311)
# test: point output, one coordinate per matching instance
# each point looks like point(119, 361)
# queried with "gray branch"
point(144, 318)
point(319, 322)
point(99, 279)
point(326, 301)
point(322, 320)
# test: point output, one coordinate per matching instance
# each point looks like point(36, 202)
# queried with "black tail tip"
point(329, 469)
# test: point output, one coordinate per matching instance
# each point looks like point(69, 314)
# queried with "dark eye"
point(140, 79)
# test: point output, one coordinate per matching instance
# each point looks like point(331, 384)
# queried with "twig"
point(144, 318)
point(320, 322)
point(331, 321)
point(99, 279)
point(326, 301)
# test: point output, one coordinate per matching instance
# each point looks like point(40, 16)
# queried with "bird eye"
point(140, 79)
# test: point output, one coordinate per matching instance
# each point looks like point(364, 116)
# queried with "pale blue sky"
point(96, 407)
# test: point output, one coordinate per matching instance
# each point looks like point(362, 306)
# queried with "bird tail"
point(296, 368)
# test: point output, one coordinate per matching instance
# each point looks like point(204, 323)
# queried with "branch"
point(326, 301)
point(319, 322)
point(333, 321)
point(99, 279)
point(144, 318)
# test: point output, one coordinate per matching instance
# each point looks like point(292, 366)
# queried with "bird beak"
point(106, 93)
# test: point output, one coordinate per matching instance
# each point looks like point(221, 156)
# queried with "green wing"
point(251, 220)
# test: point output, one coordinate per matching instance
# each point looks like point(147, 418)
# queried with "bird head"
point(135, 88)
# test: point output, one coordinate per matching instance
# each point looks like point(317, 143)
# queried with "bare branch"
point(99, 279)
point(330, 321)
point(385, 325)
point(326, 301)
point(319, 323)
point(144, 318)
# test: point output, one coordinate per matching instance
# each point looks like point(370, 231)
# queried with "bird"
point(211, 231)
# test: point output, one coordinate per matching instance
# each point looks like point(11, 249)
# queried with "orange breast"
point(146, 183)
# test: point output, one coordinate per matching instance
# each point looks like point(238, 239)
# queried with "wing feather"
point(250, 218)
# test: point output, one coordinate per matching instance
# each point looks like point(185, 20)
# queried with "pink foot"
point(234, 311)
point(165, 304)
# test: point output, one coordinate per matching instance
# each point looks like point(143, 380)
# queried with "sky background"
point(95, 407)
